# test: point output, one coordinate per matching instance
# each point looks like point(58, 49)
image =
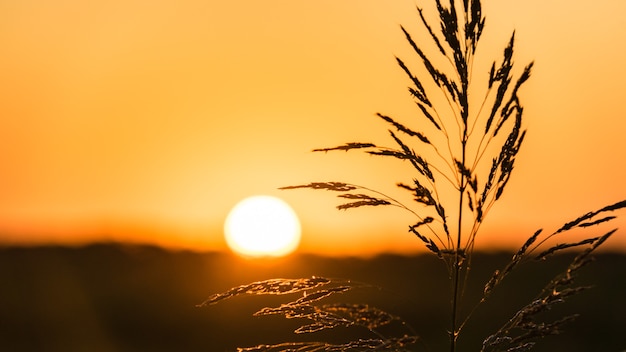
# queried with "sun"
point(262, 226)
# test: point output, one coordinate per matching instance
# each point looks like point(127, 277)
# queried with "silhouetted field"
point(137, 298)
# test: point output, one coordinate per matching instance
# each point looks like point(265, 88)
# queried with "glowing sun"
point(262, 226)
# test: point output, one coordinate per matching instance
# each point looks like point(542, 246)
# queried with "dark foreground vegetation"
point(138, 298)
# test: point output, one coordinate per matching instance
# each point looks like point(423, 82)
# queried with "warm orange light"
point(261, 226)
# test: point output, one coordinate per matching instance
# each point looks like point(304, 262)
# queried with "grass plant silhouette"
point(464, 149)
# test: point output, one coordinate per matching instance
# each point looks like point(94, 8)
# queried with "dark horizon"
point(112, 297)
point(419, 251)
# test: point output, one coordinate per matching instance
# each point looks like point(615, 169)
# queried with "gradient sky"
point(147, 121)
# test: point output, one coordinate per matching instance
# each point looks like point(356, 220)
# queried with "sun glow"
point(262, 226)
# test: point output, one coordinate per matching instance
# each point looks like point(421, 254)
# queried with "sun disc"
point(261, 226)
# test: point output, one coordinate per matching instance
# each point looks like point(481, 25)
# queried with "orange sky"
point(148, 120)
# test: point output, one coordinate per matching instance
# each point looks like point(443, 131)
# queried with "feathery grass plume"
point(499, 275)
point(523, 327)
point(269, 287)
point(364, 199)
point(404, 129)
point(346, 147)
point(330, 186)
point(362, 314)
point(397, 344)
point(430, 244)
point(320, 317)
point(453, 148)
point(590, 215)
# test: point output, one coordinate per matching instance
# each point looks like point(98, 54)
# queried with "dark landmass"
point(138, 298)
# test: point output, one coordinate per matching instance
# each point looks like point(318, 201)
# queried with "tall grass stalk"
point(467, 149)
